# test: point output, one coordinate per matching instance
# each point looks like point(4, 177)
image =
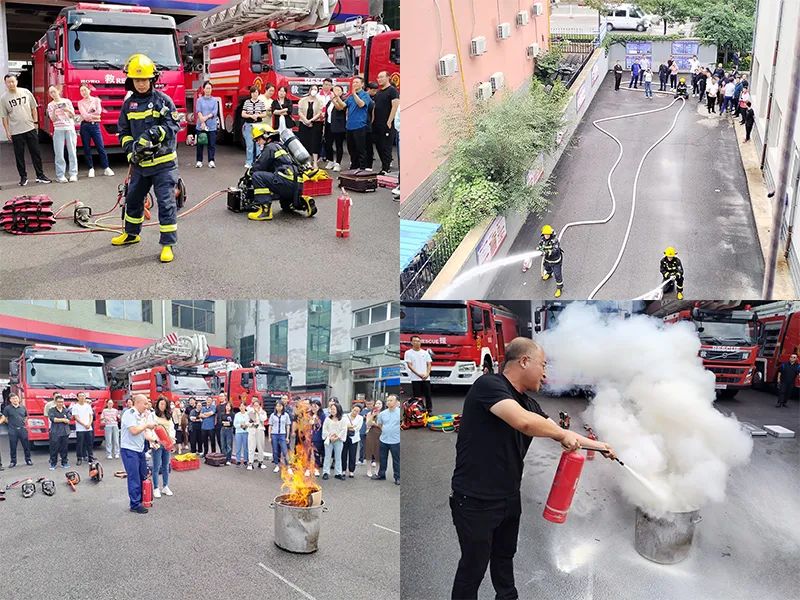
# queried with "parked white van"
point(625, 16)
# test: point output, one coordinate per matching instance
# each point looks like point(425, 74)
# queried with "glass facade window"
point(395, 308)
point(361, 344)
point(376, 314)
point(361, 318)
point(129, 310)
point(318, 341)
point(59, 304)
point(279, 343)
point(394, 339)
point(197, 315)
point(247, 349)
point(377, 341)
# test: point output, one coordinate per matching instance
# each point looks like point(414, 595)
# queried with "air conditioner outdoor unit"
point(537, 9)
point(447, 65)
point(484, 91)
point(477, 46)
point(532, 51)
point(497, 80)
point(504, 31)
point(522, 18)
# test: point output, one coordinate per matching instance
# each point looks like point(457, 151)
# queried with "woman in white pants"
point(62, 114)
point(334, 431)
point(255, 434)
point(110, 419)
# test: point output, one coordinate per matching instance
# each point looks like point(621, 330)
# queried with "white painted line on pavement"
point(386, 528)
point(286, 581)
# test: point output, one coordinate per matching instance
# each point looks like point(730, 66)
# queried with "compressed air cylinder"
point(564, 485)
point(295, 148)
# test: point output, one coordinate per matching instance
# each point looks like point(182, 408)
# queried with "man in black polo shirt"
point(387, 101)
point(787, 373)
point(497, 425)
point(14, 414)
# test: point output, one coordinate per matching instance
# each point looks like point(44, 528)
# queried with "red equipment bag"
point(27, 214)
point(413, 414)
point(163, 438)
point(343, 204)
point(215, 459)
point(358, 180)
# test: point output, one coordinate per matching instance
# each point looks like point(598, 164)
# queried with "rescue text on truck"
point(90, 43)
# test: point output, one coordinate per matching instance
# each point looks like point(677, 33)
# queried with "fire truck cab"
point(464, 338)
point(267, 381)
point(781, 338)
point(176, 383)
point(42, 370)
point(376, 48)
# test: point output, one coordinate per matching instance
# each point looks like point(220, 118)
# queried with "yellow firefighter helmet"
point(263, 130)
point(670, 251)
point(139, 66)
point(547, 230)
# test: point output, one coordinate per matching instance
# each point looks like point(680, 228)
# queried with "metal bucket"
point(665, 540)
point(296, 527)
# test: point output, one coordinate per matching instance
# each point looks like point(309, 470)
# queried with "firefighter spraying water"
point(672, 272)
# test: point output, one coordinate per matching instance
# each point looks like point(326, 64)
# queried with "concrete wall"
point(706, 54)
point(781, 86)
point(82, 313)
point(465, 257)
point(429, 32)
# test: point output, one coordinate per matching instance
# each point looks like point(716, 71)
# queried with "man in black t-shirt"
point(387, 101)
point(372, 90)
point(498, 424)
point(787, 373)
point(14, 415)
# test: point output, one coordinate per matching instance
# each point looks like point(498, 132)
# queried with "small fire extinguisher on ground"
point(343, 204)
point(147, 490)
point(564, 485)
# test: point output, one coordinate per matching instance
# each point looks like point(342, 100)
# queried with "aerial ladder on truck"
point(174, 349)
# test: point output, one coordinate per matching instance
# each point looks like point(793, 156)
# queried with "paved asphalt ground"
point(692, 195)
point(746, 547)
point(212, 539)
point(220, 254)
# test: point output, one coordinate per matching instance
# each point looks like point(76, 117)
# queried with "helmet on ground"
point(263, 131)
point(139, 66)
point(547, 230)
point(670, 251)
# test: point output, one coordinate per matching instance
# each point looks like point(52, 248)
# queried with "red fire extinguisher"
point(147, 490)
point(564, 485)
point(591, 436)
point(343, 204)
point(164, 439)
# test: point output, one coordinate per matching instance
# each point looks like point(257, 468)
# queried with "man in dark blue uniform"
point(148, 127)
point(787, 373)
point(276, 177)
point(553, 257)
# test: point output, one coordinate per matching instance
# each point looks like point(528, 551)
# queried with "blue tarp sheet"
point(413, 237)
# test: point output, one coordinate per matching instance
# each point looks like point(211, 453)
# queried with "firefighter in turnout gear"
point(552, 256)
point(671, 268)
point(681, 89)
point(147, 129)
point(276, 177)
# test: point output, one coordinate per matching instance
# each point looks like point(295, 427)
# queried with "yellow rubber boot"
point(264, 213)
point(123, 239)
point(545, 276)
point(311, 206)
point(167, 255)
point(558, 293)
point(680, 295)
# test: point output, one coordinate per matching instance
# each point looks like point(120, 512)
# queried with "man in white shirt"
point(694, 69)
point(84, 417)
point(419, 364)
point(727, 100)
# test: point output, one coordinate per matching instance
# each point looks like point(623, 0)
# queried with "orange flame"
point(299, 480)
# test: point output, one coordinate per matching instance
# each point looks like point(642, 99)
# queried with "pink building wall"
point(426, 38)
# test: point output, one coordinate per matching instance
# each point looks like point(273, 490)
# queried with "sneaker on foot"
point(116, 456)
point(227, 462)
point(211, 165)
point(62, 180)
point(330, 165)
point(139, 509)
point(249, 467)
point(325, 476)
point(65, 465)
point(337, 167)
point(73, 178)
point(43, 179)
point(23, 181)
point(108, 172)
point(52, 467)
point(29, 463)
point(316, 472)
point(166, 491)
point(198, 165)
point(396, 192)
point(247, 165)
point(156, 493)
point(307, 473)
point(108, 457)
point(12, 465)
point(263, 466)
point(91, 172)
point(276, 469)
point(79, 462)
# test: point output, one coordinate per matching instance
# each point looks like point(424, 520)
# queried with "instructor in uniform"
point(498, 424)
point(148, 128)
point(135, 423)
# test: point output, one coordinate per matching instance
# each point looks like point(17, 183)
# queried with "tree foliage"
point(548, 63)
point(729, 25)
point(670, 11)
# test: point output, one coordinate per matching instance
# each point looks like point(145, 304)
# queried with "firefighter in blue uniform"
point(276, 177)
point(147, 129)
point(553, 257)
point(672, 270)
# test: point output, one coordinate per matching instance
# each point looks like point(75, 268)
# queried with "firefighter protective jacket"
point(550, 249)
point(275, 158)
point(671, 267)
point(150, 118)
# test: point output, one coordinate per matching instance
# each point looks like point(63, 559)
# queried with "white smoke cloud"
point(653, 404)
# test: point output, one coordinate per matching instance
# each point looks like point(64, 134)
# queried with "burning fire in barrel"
point(297, 512)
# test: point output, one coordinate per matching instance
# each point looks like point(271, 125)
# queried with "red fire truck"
point(267, 381)
point(90, 43)
point(268, 41)
point(729, 345)
point(173, 382)
point(781, 322)
point(464, 337)
point(42, 369)
point(376, 48)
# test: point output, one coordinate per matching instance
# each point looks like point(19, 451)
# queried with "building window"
point(197, 315)
point(59, 304)
point(361, 344)
point(319, 341)
point(375, 314)
point(279, 343)
point(395, 308)
point(394, 340)
point(247, 350)
point(376, 341)
point(129, 310)
point(361, 318)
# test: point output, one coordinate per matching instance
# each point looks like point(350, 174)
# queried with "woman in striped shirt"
point(253, 111)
